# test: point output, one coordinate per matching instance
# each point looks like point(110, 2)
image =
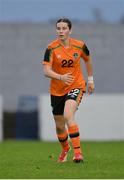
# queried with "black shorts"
point(58, 102)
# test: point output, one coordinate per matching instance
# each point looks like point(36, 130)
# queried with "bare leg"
point(69, 113)
point(60, 124)
point(61, 131)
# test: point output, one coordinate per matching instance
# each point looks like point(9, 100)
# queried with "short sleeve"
point(48, 56)
point(85, 53)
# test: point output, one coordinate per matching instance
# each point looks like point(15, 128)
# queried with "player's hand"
point(67, 78)
point(90, 88)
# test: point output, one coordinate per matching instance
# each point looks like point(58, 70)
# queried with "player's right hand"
point(67, 78)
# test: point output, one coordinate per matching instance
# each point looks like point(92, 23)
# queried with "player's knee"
point(68, 116)
point(60, 128)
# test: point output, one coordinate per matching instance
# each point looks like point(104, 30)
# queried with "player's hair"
point(66, 21)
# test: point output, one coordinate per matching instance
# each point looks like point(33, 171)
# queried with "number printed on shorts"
point(67, 63)
point(74, 92)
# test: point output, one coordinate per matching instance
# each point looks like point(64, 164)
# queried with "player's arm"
point(48, 71)
point(89, 68)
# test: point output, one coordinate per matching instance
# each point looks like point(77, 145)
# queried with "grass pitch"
point(37, 160)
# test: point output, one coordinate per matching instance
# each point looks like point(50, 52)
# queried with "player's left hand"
point(90, 88)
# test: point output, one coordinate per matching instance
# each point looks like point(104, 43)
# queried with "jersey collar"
point(70, 46)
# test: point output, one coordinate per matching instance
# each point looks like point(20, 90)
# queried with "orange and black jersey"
point(66, 60)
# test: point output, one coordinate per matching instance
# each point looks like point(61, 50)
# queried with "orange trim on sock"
point(73, 129)
point(63, 135)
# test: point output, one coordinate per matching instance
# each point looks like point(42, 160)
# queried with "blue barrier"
point(27, 118)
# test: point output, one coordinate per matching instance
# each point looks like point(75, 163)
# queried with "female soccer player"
point(62, 64)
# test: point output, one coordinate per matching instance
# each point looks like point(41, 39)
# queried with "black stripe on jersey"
point(47, 55)
point(86, 50)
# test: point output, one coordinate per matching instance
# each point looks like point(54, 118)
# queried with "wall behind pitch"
point(100, 117)
point(22, 47)
point(1, 118)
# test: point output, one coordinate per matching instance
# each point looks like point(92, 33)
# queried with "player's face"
point(63, 31)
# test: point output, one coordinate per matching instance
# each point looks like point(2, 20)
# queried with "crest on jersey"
point(75, 55)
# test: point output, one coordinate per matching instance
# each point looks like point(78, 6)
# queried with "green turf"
point(31, 159)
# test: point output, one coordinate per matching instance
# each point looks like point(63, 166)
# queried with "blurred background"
point(26, 27)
